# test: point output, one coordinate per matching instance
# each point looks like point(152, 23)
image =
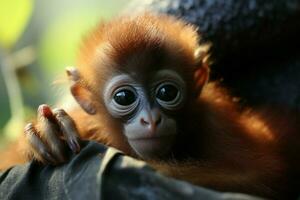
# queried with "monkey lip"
point(152, 138)
point(152, 147)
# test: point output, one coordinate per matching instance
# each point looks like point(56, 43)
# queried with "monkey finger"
point(50, 133)
point(68, 128)
point(40, 150)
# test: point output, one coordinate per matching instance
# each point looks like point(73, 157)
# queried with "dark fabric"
point(98, 172)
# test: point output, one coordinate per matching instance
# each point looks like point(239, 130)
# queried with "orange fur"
point(219, 145)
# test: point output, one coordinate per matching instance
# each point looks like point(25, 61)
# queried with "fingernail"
point(45, 110)
point(28, 127)
point(58, 112)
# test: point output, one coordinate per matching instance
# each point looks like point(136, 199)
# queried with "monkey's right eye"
point(125, 97)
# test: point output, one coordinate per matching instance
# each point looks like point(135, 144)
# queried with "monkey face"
point(139, 72)
point(147, 110)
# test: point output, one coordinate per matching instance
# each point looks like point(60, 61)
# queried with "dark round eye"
point(167, 92)
point(125, 97)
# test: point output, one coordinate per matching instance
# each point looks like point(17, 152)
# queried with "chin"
point(152, 148)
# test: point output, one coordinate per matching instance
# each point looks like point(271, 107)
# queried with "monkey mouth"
point(152, 147)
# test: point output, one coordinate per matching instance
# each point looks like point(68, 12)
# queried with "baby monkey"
point(141, 86)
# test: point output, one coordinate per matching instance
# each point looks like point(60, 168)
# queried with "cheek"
point(170, 127)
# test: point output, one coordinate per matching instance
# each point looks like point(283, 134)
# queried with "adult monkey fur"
point(142, 85)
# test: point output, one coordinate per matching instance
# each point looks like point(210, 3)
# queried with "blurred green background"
point(38, 39)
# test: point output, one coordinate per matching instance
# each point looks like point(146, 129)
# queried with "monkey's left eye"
point(125, 97)
point(123, 101)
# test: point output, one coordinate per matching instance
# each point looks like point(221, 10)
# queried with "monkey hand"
point(49, 138)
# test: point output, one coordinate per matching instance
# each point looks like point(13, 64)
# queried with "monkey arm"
point(99, 173)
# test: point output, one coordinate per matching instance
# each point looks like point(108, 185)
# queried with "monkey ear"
point(73, 74)
point(201, 74)
point(81, 94)
point(84, 98)
point(201, 54)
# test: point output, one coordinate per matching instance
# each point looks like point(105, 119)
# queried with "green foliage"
point(59, 45)
point(14, 15)
point(51, 41)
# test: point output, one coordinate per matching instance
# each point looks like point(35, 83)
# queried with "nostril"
point(144, 122)
point(158, 121)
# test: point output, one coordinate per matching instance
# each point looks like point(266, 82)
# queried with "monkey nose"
point(152, 121)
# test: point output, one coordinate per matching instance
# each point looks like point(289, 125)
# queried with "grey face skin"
point(150, 131)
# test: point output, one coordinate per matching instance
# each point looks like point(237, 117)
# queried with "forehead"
point(143, 45)
point(140, 46)
point(144, 59)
